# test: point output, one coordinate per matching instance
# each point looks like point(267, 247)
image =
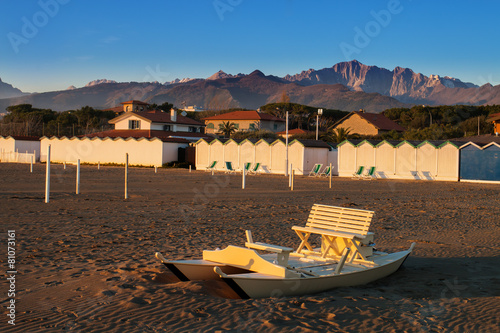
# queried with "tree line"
point(24, 119)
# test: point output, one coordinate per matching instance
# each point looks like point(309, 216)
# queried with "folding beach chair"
point(255, 169)
point(229, 167)
point(315, 170)
point(326, 172)
point(211, 166)
point(370, 174)
point(358, 174)
point(246, 166)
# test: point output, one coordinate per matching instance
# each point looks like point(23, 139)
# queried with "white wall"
point(93, 150)
point(405, 161)
point(123, 124)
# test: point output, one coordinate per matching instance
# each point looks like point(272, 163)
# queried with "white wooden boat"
point(254, 275)
point(346, 258)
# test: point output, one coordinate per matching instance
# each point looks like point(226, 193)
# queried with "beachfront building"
point(94, 150)
point(480, 162)
point(245, 121)
point(150, 137)
point(19, 149)
point(271, 154)
point(420, 160)
point(495, 119)
point(364, 123)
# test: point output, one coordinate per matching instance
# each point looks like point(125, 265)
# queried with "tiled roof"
point(116, 109)
point(22, 137)
point(493, 117)
point(483, 139)
point(135, 102)
point(244, 115)
point(294, 131)
point(162, 135)
point(380, 121)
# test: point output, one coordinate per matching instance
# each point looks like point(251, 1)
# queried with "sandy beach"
point(85, 263)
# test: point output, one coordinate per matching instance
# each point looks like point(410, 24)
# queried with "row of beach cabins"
point(420, 160)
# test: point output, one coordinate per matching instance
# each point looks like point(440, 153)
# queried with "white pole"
point(243, 181)
point(317, 125)
point(126, 176)
point(64, 165)
point(286, 148)
point(190, 168)
point(212, 172)
point(78, 177)
point(330, 175)
point(31, 164)
point(47, 176)
point(290, 177)
point(98, 165)
point(156, 169)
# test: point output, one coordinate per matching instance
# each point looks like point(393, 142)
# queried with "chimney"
point(361, 110)
point(173, 115)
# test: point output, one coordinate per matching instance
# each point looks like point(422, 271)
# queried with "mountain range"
point(345, 86)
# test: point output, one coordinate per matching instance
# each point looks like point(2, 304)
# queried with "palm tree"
point(340, 134)
point(227, 128)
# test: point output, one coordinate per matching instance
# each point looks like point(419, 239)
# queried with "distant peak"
point(219, 75)
point(71, 88)
point(257, 73)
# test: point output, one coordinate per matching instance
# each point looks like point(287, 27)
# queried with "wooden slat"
point(340, 219)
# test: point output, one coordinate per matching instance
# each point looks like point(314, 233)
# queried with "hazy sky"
point(52, 44)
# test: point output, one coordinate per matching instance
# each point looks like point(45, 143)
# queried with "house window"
point(134, 124)
point(192, 129)
point(252, 126)
point(166, 128)
point(275, 126)
point(210, 125)
point(237, 126)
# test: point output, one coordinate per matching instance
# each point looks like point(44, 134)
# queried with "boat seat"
point(283, 252)
point(339, 228)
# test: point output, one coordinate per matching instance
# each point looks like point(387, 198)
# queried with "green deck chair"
point(370, 174)
point(229, 167)
point(358, 174)
point(326, 172)
point(211, 166)
point(255, 169)
point(246, 166)
point(315, 170)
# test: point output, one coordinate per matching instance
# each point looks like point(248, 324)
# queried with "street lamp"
point(320, 112)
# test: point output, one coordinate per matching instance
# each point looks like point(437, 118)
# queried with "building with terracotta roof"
point(364, 123)
point(245, 121)
point(152, 124)
point(495, 119)
point(292, 132)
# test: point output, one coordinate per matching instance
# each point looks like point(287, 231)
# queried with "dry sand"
point(86, 262)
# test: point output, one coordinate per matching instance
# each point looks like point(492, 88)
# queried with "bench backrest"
point(356, 221)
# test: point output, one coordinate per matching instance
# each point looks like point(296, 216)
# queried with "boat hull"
point(256, 285)
point(192, 270)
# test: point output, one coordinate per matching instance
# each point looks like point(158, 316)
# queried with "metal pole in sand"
point(290, 177)
point(212, 172)
point(189, 167)
point(64, 165)
point(98, 165)
point(331, 175)
point(47, 176)
point(31, 164)
point(126, 176)
point(243, 181)
point(78, 177)
point(156, 169)
point(293, 176)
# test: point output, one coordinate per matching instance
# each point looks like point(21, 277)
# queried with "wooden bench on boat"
point(283, 253)
point(339, 228)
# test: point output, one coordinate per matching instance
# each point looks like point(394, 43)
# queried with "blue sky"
point(49, 45)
